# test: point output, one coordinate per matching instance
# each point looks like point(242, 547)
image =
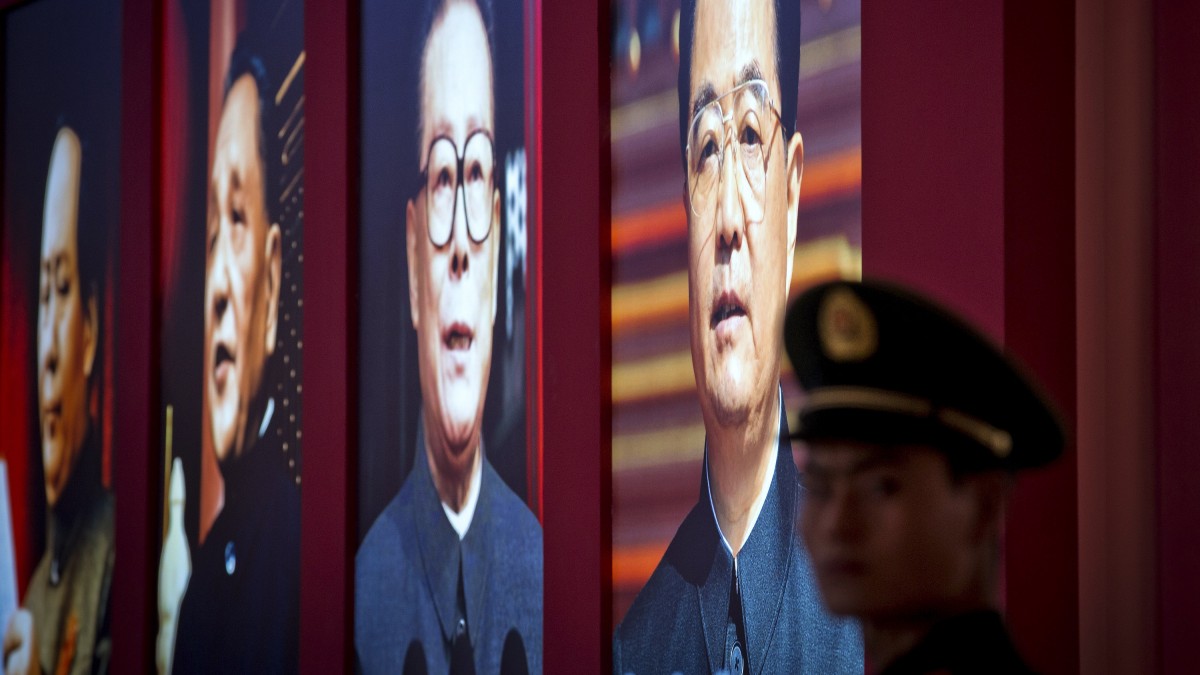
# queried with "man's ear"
point(91, 328)
point(410, 236)
point(273, 254)
point(795, 171)
point(497, 237)
point(992, 489)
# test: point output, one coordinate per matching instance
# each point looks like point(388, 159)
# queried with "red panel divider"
point(328, 520)
point(136, 465)
point(576, 338)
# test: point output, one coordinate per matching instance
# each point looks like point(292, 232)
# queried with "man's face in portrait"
point(742, 188)
point(241, 284)
point(891, 532)
point(452, 230)
point(67, 312)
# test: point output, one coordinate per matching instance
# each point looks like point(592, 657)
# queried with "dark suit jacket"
point(69, 593)
point(976, 643)
point(679, 620)
point(241, 610)
point(407, 577)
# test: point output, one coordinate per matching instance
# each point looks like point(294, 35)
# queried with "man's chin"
point(224, 440)
point(729, 401)
point(457, 432)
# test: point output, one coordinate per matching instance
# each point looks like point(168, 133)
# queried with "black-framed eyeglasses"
point(445, 172)
point(744, 110)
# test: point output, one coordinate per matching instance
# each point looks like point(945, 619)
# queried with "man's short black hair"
point(787, 64)
point(429, 12)
point(245, 60)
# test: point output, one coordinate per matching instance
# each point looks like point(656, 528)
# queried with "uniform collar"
point(759, 501)
point(442, 550)
point(82, 491)
point(461, 520)
point(763, 564)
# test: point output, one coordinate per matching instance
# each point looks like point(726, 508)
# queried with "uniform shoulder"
point(387, 538)
point(510, 511)
point(666, 610)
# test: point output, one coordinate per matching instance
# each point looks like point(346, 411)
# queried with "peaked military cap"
point(880, 364)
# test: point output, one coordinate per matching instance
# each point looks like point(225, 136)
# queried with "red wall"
point(1177, 329)
point(968, 130)
point(968, 194)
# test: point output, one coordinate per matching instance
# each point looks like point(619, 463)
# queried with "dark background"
point(62, 66)
point(389, 386)
point(277, 30)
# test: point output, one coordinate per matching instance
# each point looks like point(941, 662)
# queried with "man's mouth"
point(458, 337)
point(842, 568)
point(52, 411)
point(222, 362)
point(728, 306)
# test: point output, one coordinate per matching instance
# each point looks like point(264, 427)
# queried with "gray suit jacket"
point(679, 621)
point(406, 578)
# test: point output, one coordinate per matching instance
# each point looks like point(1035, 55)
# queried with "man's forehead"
point(457, 75)
point(62, 194)
point(237, 143)
point(733, 41)
point(855, 457)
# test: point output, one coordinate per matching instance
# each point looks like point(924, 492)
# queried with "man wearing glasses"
point(449, 577)
point(735, 590)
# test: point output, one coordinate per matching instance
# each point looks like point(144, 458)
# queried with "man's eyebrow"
point(879, 459)
point(703, 97)
point(750, 71)
point(707, 94)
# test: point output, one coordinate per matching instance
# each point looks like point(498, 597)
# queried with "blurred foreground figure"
point(916, 425)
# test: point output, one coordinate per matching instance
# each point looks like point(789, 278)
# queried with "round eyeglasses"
point(445, 172)
point(743, 110)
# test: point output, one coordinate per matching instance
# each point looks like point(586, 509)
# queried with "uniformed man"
point(240, 612)
point(449, 577)
point(64, 627)
point(734, 591)
point(915, 425)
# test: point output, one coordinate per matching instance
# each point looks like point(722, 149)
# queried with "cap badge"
point(847, 328)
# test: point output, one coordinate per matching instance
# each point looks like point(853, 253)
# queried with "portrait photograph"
point(448, 563)
point(736, 184)
point(58, 335)
point(232, 287)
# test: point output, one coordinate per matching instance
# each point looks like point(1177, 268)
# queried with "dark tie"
point(462, 661)
point(735, 632)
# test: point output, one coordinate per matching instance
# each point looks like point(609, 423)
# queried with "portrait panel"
point(449, 468)
point(58, 336)
point(736, 184)
point(231, 269)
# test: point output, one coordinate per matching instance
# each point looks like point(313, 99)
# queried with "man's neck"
point(887, 639)
point(884, 642)
point(452, 488)
point(739, 462)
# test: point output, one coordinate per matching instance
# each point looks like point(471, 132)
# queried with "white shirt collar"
point(759, 501)
point(266, 420)
point(461, 521)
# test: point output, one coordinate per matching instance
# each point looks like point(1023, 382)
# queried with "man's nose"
point(50, 338)
point(219, 278)
point(731, 218)
point(460, 238)
point(843, 519)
